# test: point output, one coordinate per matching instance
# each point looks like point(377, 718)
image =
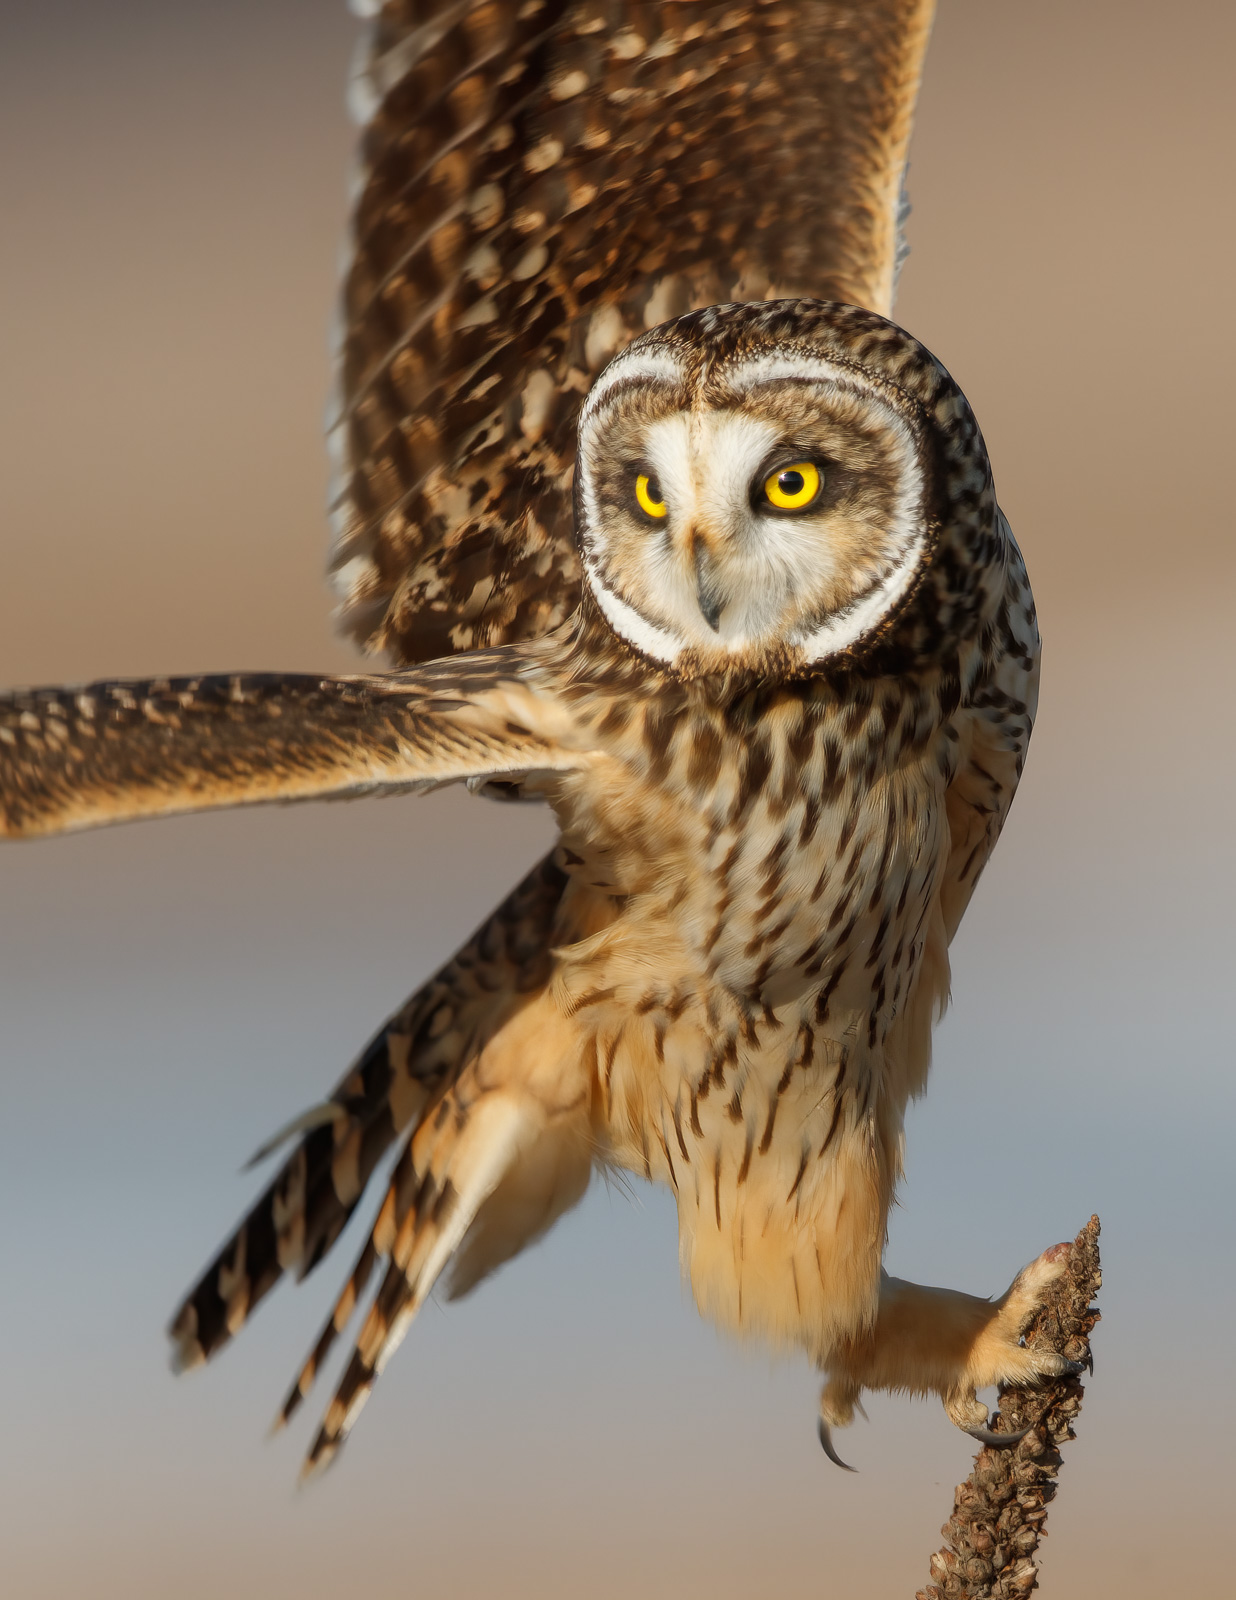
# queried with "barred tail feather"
point(404, 1069)
point(341, 1315)
point(465, 1170)
point(306, 1207)
point(531, 1195)
point(399, 1195)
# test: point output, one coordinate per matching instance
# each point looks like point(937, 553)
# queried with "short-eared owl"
point(666, 525)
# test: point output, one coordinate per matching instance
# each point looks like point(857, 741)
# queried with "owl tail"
point(304, 1210)
point(491, 1165)
point(404, 1069)
point(452, 1165)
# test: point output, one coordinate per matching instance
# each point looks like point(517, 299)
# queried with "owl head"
point(776, 485)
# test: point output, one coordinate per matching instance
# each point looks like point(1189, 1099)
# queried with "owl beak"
point(707, 590)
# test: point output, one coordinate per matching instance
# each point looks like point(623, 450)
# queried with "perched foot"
point(1006, 1441)
point(938, 1341)
point(997, 1355)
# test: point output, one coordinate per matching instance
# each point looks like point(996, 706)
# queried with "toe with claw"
point(830, 1450)
point(997, 1441)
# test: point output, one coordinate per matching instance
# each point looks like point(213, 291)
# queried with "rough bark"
point(1000, 1512)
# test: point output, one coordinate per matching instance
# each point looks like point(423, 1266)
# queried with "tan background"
point(171, 196)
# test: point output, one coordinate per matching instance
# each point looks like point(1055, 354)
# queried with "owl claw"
point(826, 1439)
point(1006, 1441)
point(996, 1441)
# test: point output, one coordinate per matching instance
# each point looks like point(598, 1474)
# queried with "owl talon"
point(997, 1441)
point(826, 1439)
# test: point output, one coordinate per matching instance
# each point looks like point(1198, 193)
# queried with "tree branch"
point(999, 1513)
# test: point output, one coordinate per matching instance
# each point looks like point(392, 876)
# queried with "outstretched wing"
point(541, 181)
point(111, 752)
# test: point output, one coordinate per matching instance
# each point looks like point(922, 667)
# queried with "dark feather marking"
point(782, 1087)
point(682, 1143)
point(753, 775)
point(611, 1050)
point(832, 1126)
point(676, 1005)
point(825, 995)
point(881, 933)
point(705, 760)
point(593, 997)
point(746, 1156)
point(840, 909)
point(669, 1160)
point(444, 1203)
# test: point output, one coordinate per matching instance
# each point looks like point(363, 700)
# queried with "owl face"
point(749, 499)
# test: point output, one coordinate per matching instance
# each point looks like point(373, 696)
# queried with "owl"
point(667, 526)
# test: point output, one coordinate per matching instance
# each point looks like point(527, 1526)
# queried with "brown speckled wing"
point(112, 752)
point(539, 182)
point(994, 733)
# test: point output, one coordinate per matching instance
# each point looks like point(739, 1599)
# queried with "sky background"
point(172, 194)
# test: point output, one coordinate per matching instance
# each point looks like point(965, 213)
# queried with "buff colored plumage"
point(776, 677)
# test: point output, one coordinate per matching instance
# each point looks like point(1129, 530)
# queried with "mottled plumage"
point(777, 687)
point(539, 182)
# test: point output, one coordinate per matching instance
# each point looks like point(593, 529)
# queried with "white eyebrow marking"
point(655, 366)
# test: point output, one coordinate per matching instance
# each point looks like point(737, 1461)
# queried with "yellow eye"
point(792, 488)
point(648, 494)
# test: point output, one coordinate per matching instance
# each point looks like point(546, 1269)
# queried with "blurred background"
point(172, 198)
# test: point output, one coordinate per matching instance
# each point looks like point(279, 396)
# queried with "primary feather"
point(539, 182)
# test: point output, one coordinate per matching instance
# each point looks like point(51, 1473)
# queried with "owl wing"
point(112, 752)
point(995, 733)
point(540, 182)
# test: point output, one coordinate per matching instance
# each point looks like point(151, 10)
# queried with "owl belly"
point(780, 1135)
point(760, 1002)
point(781, 1159)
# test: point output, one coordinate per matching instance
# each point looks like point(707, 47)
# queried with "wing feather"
point(111, 752)
point(541, 181)
point(995, 737)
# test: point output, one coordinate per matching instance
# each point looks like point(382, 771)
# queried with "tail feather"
point(399, 1194)
point(301, 1212)
point(404, 1069)
point(341, 1315)
point(461, 1171)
